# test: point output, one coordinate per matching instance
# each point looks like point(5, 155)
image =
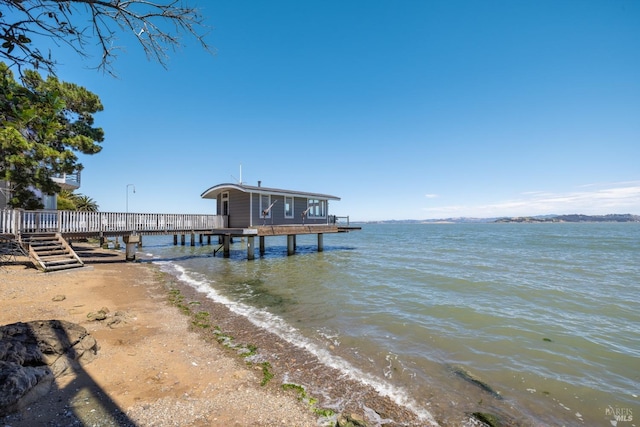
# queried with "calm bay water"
point(548, 315)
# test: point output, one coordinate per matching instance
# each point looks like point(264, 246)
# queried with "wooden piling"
point(291, 246)
point(226, 250)
point(250, 249)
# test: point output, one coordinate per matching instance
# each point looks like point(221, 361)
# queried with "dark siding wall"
point(238, 209)
point(277, 212)
point(299, 206)
point(257, 217)
point(240, 204)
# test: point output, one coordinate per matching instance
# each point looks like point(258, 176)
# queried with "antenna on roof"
point(239, 181)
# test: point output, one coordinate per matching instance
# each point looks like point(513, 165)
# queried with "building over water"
point(253, 206)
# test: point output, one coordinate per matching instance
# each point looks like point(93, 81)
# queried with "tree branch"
point(157, 28)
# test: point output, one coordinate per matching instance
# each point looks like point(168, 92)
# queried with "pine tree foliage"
point(44, 123)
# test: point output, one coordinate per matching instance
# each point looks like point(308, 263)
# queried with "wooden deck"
point(18, 225)
point(70, 224)
point(284, 230)
point(281, 230)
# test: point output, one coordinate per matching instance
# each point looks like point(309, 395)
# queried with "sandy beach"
point(165, 357)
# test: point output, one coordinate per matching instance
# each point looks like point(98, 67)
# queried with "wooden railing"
point(9, 218)
point(72, 179)
point(17, 222)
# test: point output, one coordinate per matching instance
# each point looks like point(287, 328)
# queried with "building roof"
point(213, 192)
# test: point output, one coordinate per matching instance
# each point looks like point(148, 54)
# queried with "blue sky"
point(405, 110)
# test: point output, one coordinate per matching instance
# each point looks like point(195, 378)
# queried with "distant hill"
point(539, 218)
point(574, 218)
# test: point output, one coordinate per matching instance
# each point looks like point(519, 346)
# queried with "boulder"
point(33, 353)
point(22, 385)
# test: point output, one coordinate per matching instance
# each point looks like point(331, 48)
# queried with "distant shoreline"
point(575, 218)
point(519, 219)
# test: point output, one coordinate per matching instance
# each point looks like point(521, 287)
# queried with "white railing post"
point(17, 220)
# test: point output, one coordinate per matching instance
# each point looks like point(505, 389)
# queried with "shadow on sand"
point(80, 402)
point(95, 255)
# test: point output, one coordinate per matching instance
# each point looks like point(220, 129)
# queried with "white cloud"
point(594, 199)
point(431, 196)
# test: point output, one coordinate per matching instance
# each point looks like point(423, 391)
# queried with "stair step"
point(48, 247)
point(68, 261)
point(45, 247)
point(64, 267)
point(53, 252)
point(43, 242)
point(49, 258)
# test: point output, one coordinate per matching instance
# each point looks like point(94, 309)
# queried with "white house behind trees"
point(66, 181)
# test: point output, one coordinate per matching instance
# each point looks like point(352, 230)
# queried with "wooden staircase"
point(51, 252)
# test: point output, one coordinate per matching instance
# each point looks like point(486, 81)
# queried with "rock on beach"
point(33, 353)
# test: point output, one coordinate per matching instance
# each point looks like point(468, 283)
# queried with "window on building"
point(265, 202)
point(317, 208)
point(288, 207)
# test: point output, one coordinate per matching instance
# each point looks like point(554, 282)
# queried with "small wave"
point(277, 325)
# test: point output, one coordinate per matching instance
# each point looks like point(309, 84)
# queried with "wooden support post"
point(175, 239)
point(182, 239)
point(291, 248)
point(261, 245)
point(209, 239)
point(295, 242)
point(140, 242)
point(130, 249)
point(200, 236)
point(320, 242)
point(227, 240)
point(250, 249)
point(193, 239)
